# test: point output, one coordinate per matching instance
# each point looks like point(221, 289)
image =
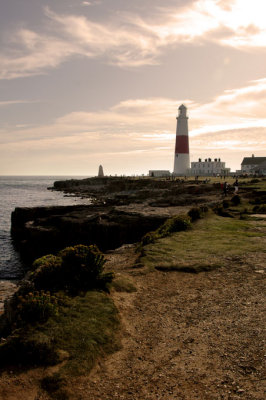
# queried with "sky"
point(84, 83)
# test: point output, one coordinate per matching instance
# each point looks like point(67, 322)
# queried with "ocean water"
point(24, 191)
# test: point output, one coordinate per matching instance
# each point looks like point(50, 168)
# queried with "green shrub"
point(236, 200)
point(82, 260)
point(150, 237)
point(171, 225)
point(74, 268)
point(219, 210)
point(175, 224)
point(255, 180)
point(47, 273)
point(195, 213)
point(261, 199)
point(83, 267)
point(48, 261)
point(36, 307)
point(260, 208)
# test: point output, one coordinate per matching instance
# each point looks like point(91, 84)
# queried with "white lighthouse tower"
point(182, 162)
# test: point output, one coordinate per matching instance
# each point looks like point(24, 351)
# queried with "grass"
point(207, 246)
point(122, 284)
point(84, 328)
point(44, 328)
point(258, 184)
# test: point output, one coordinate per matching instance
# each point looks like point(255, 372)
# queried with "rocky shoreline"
point(40, 231)
point(123, 210)
point(7, 288)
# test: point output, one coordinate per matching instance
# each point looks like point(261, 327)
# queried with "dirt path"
point(186, 336)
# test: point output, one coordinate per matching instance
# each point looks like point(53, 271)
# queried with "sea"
point(25, 191)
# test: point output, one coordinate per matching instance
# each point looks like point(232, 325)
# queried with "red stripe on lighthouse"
point(181, 145)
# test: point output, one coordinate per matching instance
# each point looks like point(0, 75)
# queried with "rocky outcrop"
point(43, 230)
point(123, 210)
point(122, 191)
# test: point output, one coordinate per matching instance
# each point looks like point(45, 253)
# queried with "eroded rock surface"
point(40, 231)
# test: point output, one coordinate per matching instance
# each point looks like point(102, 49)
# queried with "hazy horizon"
point(85, 83)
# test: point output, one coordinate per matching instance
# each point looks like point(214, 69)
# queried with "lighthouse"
point(182, 162)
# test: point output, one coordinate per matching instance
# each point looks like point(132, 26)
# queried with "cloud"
point(232, 122)
point(132, 40)
point(91, 3)
point(234, 109)
point(126, 44)
point(35, 53)
point(240, 23)
point(12, 102)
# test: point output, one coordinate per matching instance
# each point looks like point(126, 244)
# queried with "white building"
point(182, 163)
point(253, 165)
point(208, 167)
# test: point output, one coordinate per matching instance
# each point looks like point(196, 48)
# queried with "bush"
point(49, 261)
point(74, 268)
point(219, 210)
point(83, 267)
point(255, 180)
point(175, 224)
point(28, 350)
point(260, 208)
point(150, 237)
point(226, 204)
point(86, 261)
point(36, 307)
point(236, 200)
point(195, 213)
point(171, 225)
point(47, 273)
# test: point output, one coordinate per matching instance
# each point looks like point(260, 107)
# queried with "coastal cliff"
point(123, 210)
point(43, 230)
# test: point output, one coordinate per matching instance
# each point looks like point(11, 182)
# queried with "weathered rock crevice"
point(43, 230)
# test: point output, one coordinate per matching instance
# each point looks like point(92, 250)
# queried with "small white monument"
point(100, 173)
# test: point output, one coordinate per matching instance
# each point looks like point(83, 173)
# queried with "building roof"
point(253, 160)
